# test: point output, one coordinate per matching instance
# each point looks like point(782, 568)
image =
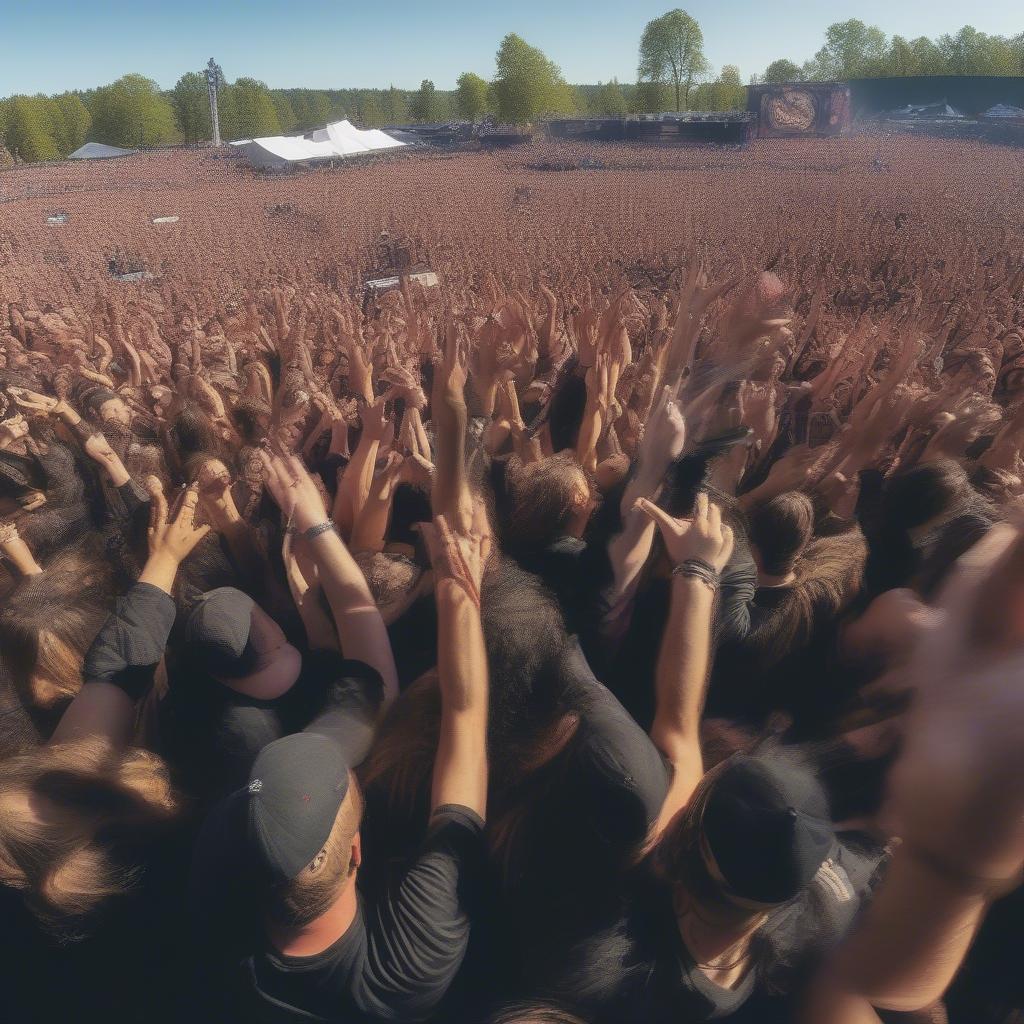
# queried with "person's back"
point(287, 929)
point(729, 901)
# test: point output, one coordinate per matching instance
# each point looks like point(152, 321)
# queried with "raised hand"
point(14, 548)
point(97, 447)
point(36, 402)
point(404, 385)
point(214, 483)
point(958, 789)
point(460, 557)
point(171, 539)
point(665, 432)
point(704, 536)
point(294, 490)
point(12, 430)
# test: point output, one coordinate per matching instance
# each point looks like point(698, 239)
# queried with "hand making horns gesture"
point(702, 536)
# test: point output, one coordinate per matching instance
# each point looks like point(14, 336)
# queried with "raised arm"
point(214, 482)
point(120, 665)
point(371, 526)
point(459, 559)
point(664, 437)
point(16, 551)
point(361, 629)
point(450, 495)
point(354, 485)
point(699, 549)
point(93, 442)
point(958, 797)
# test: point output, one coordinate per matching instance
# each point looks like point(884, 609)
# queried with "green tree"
point(318, 109)
point(901, 60)
point(283, 108)
point(423, 105)
point(1017, 49)
point(247, 111)
point(133, 112)
point(729, 91)
point(852, 50)
point(926, 57)
point(471, 95)
point(69, 121)
point(191, 101)
point(610, 99)
point(394, 106)
point(672, 52)
point(28, 133)
point(782, 70)
point(971, 52)
point(650, 98)
point(370, 112)
point(527, 84)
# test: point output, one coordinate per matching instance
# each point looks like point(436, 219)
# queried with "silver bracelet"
point(315, 531)
point(701, 570)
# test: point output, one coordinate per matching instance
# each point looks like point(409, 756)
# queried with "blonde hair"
point(49, 621)
point(61, 810)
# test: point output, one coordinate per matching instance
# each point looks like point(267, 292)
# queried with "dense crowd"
point(642, 644)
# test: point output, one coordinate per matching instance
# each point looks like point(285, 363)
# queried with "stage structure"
point(800, 109)
point(723, 128)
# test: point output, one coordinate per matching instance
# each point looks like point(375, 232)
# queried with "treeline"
point(855, 50)
point(672, 74)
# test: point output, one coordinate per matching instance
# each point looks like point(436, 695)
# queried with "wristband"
point(315, 531)
point(701, 570)
point(82, 430)
point(701, 564)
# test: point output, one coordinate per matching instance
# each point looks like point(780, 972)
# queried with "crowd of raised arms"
point(576, 652)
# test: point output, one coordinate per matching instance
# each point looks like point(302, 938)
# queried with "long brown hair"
point(64, 812)
point(790, 932)
point(48, 622)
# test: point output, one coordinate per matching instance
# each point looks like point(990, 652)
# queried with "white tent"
point(98, 151)
point(341, 139)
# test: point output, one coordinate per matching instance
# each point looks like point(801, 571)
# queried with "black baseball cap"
point(766, 828)
point(296, 788)
point(217, 633)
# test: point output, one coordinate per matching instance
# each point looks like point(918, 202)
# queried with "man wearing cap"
point(741, 873)
point(239, 684)
point(290, 924)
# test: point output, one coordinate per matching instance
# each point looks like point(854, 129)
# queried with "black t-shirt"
point(576, 572)
point(131, 642)
point(636, 967)
point(394, 962)
point(631, 668)
point(211, 734)
point(582, 818)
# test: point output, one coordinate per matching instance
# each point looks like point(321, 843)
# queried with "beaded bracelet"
point(706, 566)
point(701, 570)
point(315, 531)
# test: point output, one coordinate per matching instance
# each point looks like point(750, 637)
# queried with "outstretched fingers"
point(701, 507)
point(157, 505)
point(658, 515)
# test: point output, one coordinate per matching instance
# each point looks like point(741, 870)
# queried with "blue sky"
point(52, 45)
